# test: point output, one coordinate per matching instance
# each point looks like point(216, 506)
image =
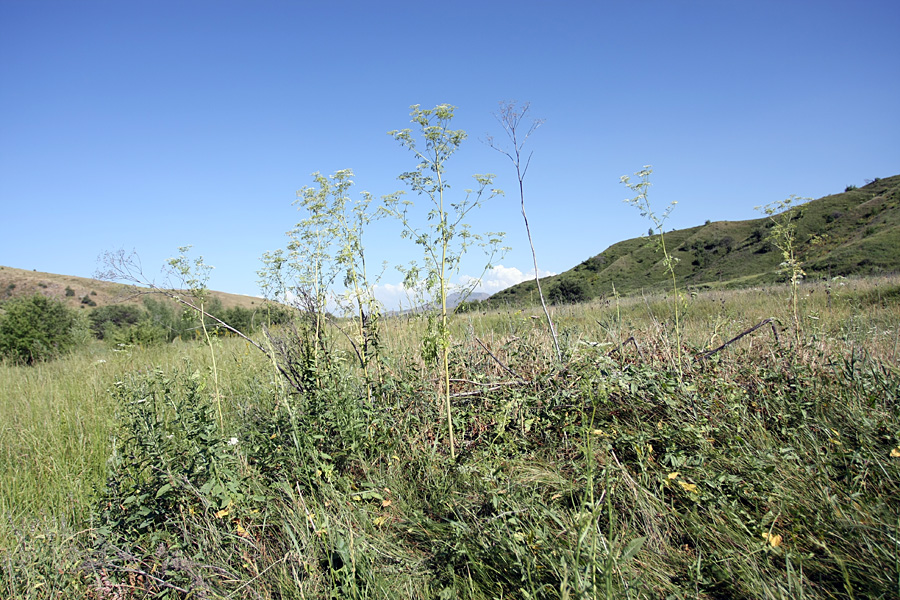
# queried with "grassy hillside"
point(856, 232)
point(83, 293)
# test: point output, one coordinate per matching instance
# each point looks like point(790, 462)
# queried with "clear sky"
point(149, 125)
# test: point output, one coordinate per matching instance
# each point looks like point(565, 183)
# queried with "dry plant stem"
point(486, 383)
point(739, 336)
point(537, 278)
point(621, 347)
point(510, 116)
point(499, 362)
point(128, 268)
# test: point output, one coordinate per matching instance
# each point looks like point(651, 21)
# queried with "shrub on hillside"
point(163, 316)
point(106, 319)
point(242, 319)
point(35, 328)
point(569, 291)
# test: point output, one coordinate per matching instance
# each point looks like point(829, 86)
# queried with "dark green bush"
point(35, 328)
point(569, 291)
point(106, 319)
point(162, 315)
point(242, 319)
point(174, 322)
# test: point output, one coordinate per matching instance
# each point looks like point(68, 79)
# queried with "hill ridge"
point(855, 232)
point(86, 292)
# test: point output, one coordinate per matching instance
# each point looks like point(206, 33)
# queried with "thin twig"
point(362, 362)
point(771, 320)
point(486, 382)
point(475, 392)
point(128, 268)
point(499, 362)
point(622, 345)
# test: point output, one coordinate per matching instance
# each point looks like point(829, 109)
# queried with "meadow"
point(644, 464)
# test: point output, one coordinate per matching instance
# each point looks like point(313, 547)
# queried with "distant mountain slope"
point(81, 292)
point(453, 300)
point(856, 232)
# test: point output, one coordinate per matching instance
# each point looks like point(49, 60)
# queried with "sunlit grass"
point(56, 419)
point(769, 471)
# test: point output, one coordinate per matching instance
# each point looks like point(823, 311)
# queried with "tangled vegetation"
point(766, 470)
point(700, 444)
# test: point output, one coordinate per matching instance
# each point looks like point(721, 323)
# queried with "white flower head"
point(232, 441)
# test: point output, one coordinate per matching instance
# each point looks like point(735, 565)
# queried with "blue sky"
point(152, 125)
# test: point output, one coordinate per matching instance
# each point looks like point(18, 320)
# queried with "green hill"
point(856, 232)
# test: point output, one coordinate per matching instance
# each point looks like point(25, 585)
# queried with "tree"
point(35, 328)
point(510, 118)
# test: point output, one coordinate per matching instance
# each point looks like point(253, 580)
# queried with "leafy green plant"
point(344, 222)
point(161, 314)
point(325, 244)
point(173, 479)
point(569, 291)
point(194, 276)
point(783, 235)
point(445, 241)
point(35, 328)
point(310, 261)
point(642, 203)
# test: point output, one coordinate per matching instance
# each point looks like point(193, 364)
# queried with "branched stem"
point(642, 203)
point(510, 118)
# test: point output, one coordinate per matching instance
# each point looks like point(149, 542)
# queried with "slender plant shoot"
point(510, 118)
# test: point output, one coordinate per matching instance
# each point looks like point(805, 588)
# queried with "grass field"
point(631, 469)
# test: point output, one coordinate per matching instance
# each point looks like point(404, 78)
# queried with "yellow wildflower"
point(688, 487)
